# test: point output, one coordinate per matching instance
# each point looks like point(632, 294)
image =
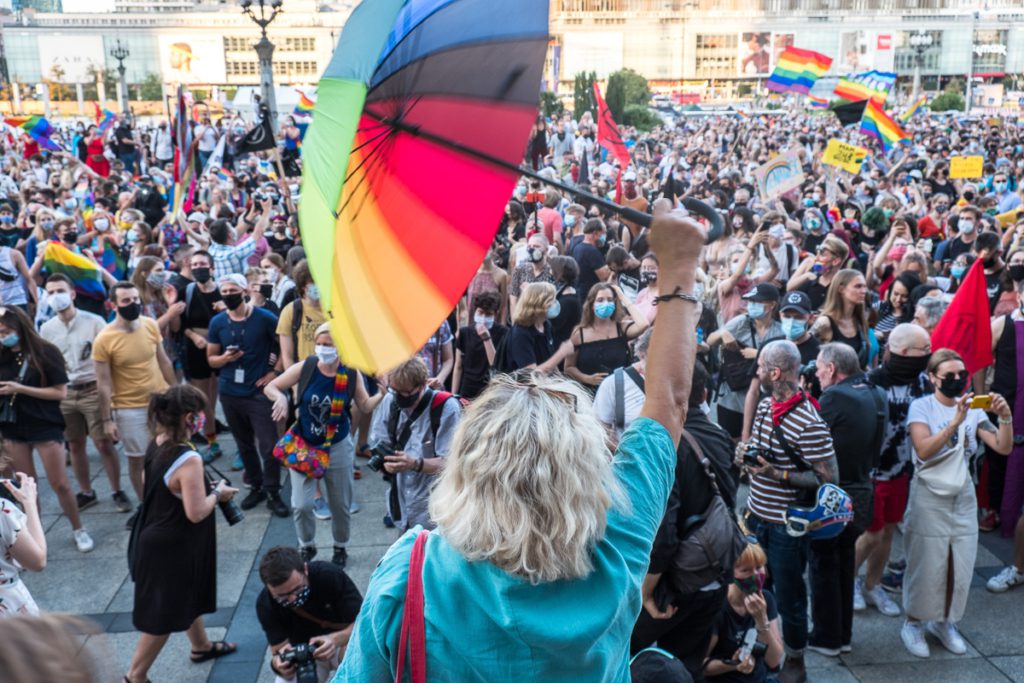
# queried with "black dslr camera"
point(377, 454)
point(229, 508)
point(751, 455)
point(301, 657)
point(809, 378)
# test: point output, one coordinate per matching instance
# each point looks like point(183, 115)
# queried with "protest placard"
point(779, 175)
point(966, 167)
point(845, 156)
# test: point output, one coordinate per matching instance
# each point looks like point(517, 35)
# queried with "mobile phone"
point(984, 402)
point(232, 348)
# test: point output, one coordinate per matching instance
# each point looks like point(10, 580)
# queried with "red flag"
point(964, 327)
point(99, 113)
point(618, 186)
point(608, 133)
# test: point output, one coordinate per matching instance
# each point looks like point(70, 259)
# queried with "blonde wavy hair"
point(536, 298)
point(528, 482)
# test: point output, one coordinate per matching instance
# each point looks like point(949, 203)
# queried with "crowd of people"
point(793, 361)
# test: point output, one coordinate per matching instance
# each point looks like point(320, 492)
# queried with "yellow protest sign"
point(965, 167)
point(845, 156)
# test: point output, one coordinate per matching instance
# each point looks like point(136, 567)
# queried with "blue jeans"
point(787, 560)
point(129, 161)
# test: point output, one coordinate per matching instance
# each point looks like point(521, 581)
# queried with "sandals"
point(364, 451)
point(218, 648)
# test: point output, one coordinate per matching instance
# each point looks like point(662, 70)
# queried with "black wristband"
point(677, 294)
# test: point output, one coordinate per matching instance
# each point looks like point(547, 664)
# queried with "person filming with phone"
point(22, 542)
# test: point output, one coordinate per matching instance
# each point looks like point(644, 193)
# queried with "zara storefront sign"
point(980, 50)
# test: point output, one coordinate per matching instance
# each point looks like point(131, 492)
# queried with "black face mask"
point(8, 238)
point(952, 387)
point(130, 312)
point(648, 278)
point(233, 301)
point(266, 290)
point(201, 275)
point(990, 262)
point(406, 402)
point(1016, 272)
point(905, 369)
point(71, 236)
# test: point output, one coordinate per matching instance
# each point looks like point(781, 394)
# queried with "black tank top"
point(1004, 382)
point(602, 355)
point(856, 342)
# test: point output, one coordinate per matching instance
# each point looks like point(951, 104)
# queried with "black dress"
point(175, 560)
point(602, 355)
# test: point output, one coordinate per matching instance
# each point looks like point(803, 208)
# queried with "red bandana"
point(779, 410)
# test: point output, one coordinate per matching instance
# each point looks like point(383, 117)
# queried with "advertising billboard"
point(190, 58)
point(74, 55)
point(755, 54)
point(865, 50)
point(591, 51)
point(780, 41)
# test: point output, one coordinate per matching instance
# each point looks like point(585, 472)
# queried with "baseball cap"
point(763, 292)
point(796, 301)
point(629, 176)
point(196, 217)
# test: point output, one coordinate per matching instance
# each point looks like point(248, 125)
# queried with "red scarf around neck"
point(780, 408)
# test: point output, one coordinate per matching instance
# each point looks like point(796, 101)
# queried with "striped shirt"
point(231, 258)
point(809, 436)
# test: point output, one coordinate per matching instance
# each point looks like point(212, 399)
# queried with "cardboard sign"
point(966, 167)
point(779, 175)
point(845, 156)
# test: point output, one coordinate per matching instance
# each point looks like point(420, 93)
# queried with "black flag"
point(261, 137)
point(851, 112)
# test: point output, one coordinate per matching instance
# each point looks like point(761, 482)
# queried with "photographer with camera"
point(22, 542)
point(413, 430)
point(790, 451)
point(172, 553)
point(307, 610)
point(855, 412)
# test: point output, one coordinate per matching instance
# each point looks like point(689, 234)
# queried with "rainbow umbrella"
point(421, 119)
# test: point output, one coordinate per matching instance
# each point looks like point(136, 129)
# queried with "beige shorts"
point(82, 416)
point(132, 430)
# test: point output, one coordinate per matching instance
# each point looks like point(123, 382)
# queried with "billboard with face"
point(755, 54)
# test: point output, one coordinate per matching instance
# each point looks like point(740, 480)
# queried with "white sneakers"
point(913, 638)
point(858, 595)
point(83, 541)
point(881, 600)
point(1005, 580)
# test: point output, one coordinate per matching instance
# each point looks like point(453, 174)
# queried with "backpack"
point(437, 402)
point(436, 407)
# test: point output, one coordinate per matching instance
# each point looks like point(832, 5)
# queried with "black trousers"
point(686, 634)
point(832, 569)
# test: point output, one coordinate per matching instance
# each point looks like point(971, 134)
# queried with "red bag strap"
point(413, 634)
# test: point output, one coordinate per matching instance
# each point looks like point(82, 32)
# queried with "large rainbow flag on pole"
point(37, 128)
point(796, 70)
point(880, 126)
point(84, 273)
point(868, 85)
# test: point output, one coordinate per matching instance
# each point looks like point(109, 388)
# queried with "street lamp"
point(268, 11)
point(120, 53)
point(920, 42)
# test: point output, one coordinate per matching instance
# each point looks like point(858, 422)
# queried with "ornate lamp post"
point(263, 13)
point(920, 42)
point(120, 53)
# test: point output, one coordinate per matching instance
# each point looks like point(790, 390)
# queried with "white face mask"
point(326, 354)
point(486, 321)
point(60, 301)
point(101, 224)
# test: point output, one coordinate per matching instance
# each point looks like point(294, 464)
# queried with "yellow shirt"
point(312, 318)
point(134, 369)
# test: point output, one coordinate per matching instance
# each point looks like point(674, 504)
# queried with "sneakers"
point(236, 464)
point(793, 671)
point(858, 595)
point(340, 556)
point(1005, 580)
point(255, 497)
point(846, 649)
point(388, 522)
point(912, 635)
point(121, 502)
point(354, 508)
point(892, 582)
point(276, 505)
point(320, 509)
point(83, 541)
point(947, 634)
point(85, 500)
point(882, 602)
point(826, 651)
point(308, 552)
point(212, 453)
point(988, 520)
point(220, 427)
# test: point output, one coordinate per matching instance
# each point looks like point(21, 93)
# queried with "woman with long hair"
point(173, 561)
point(150, 278)
point(95, 159)
point(531, 342)
point(541, 532)
point(843, 317)
point(601, 341)
point(815, 274)
point(896, 308)
point(33, 382)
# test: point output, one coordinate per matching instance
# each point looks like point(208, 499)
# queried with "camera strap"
point(322, 623)
point(398, 441)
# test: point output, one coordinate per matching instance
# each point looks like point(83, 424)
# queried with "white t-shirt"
point(604, 402)
point(927, 410)
point(12, 521)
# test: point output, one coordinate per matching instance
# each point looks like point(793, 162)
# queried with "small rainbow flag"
point(104, 118)
point(869, 85)
point(818, 102)
point(880, 126)
point(113, 261)
point(84, 273)
point(305, 105)
point(909, 113)
point(36, 127)
point(224, 174)
point(797, 70)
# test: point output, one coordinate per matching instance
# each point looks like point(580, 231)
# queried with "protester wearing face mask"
point(601, 341)
point(786, 257)
point(967, 227)
point(748, 606)
point(150, 278)
point(815, 274)
point(240, 345)
point(958, 271)
point(590, 257)
point(941, 525)
point(476, 345)
point(260, 290)
point(284, 287)
point(16, 283)
point(326, 391)
point(300, 319)
point(649, 282)
point(305, 602)
point(1008, 199)
point(530, 341)
point(9, 233)
point(531, 266)
point(896, 308)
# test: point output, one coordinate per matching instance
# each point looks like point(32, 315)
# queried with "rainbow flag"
point(224, 174)
point(880, 126)
point(305, 105)
point(869, 85)
point(909, 113)
point(818, 102)
point(84, 273)
point(796, 70)
point(37, 128)
point(104, 118)
point(113, 261)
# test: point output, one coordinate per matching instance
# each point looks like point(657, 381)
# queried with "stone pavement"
point(96, 585)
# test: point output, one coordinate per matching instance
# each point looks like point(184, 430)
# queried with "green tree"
point(583, 94)
point(59, 91)
point(950, 99)
point(640, 116)
point(625, 87)
point(550, 104)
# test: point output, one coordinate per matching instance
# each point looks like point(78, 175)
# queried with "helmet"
point(827, 519)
